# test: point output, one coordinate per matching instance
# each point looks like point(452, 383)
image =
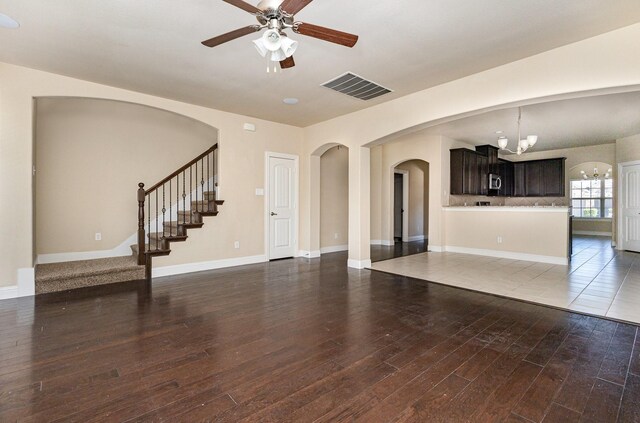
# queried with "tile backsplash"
point(470, 200)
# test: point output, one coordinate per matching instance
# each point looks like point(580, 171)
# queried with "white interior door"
point(630, 207)
point(282, 207)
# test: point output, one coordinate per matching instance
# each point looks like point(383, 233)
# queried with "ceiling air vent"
point(355, 86)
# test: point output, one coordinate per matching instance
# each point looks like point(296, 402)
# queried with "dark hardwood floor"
point(399, 249)
point(309, 340)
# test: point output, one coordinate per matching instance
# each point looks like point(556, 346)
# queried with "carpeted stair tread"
point(85, 268)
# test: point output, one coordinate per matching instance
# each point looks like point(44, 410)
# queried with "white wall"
point(628, 149)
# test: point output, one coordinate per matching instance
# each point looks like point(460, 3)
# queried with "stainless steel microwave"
point(495, 182)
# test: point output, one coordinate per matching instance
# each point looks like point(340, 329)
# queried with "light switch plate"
point(260, 191)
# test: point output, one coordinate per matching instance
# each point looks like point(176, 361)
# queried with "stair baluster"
point(157, 243)
point(141, 235)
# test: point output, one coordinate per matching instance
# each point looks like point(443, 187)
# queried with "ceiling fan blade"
point(243, 5)
point(221, 39)
point(294, 6)
point(287, 63)
point(326, 34)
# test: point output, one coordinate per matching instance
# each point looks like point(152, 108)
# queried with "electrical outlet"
point(335, 236)
point(236, 245)
point(499, 240)
point(98, 236)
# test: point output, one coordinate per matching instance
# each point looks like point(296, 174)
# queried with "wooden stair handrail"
point(185, 167)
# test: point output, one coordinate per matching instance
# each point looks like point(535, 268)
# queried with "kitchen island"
point(540, 234)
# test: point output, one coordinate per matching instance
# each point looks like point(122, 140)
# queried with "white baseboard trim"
point(25, 287)
point(124, 249)
point(359, 264)
point(309, 254)
point(592, 233)
point(563, 261)
point(436, 248)
point(26, 281)
point(7, 292)
point(387, 243)
point(181, 269)
point(376, 242)
point(334, 249)
point(417, 238)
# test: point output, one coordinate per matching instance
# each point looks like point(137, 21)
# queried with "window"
point(592, 198)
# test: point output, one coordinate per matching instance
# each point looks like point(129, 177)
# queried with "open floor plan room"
point(320, 211)
point(309, 341)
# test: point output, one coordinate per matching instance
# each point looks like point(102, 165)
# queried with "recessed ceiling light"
point(8, 22)
point(290, 101)
point(499, 132)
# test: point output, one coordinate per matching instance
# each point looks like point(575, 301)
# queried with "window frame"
point(602, 199)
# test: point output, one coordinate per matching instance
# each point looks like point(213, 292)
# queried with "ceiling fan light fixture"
point(272, 40)
point(260, 47)
point(277, 56)
point(289, 46)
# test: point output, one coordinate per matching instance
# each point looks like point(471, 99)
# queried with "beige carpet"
point(56, 277)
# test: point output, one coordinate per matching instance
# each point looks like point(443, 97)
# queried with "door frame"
point(405, 204)
point(296, 201)
point(618, 212)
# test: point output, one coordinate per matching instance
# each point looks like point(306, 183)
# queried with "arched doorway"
point(592, 200)
point(334, 200)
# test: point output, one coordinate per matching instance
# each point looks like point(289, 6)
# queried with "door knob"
point(274, 214)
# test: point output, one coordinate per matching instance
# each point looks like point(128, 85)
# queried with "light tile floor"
point(599, 281)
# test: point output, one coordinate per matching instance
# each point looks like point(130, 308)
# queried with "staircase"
point(166, 212)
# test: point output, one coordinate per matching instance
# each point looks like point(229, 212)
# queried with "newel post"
point(141, 235)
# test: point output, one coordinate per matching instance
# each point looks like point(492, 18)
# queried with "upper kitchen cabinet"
point(465, 172)
point(519, 180)
point(506, 170)
point(541, 178)
point(534, 178)
point(553, 172)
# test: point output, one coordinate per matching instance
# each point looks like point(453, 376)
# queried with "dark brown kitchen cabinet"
point(505, 170)
point(483, 175)
point(519, 179)
point(466, 167)
point(533, 180)
point(553, 177)
point(540, 178)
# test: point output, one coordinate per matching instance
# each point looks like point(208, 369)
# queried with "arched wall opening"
point(410, 194)
point(334, 200)
point(334, 158)
point(90, 154)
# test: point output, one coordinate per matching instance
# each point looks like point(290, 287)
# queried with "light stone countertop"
point(537, 209)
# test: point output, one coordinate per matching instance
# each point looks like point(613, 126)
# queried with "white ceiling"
point(153, 46)
point(558, 124)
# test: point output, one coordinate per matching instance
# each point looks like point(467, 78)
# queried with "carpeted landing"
point(56, 277)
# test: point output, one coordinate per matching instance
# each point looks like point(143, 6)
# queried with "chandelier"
point(596, 175)
point(523, 143)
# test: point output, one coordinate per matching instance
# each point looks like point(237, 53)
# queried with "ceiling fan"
point(276, 16)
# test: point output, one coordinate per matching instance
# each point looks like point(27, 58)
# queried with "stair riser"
point(205, 206)
point(82, 282)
